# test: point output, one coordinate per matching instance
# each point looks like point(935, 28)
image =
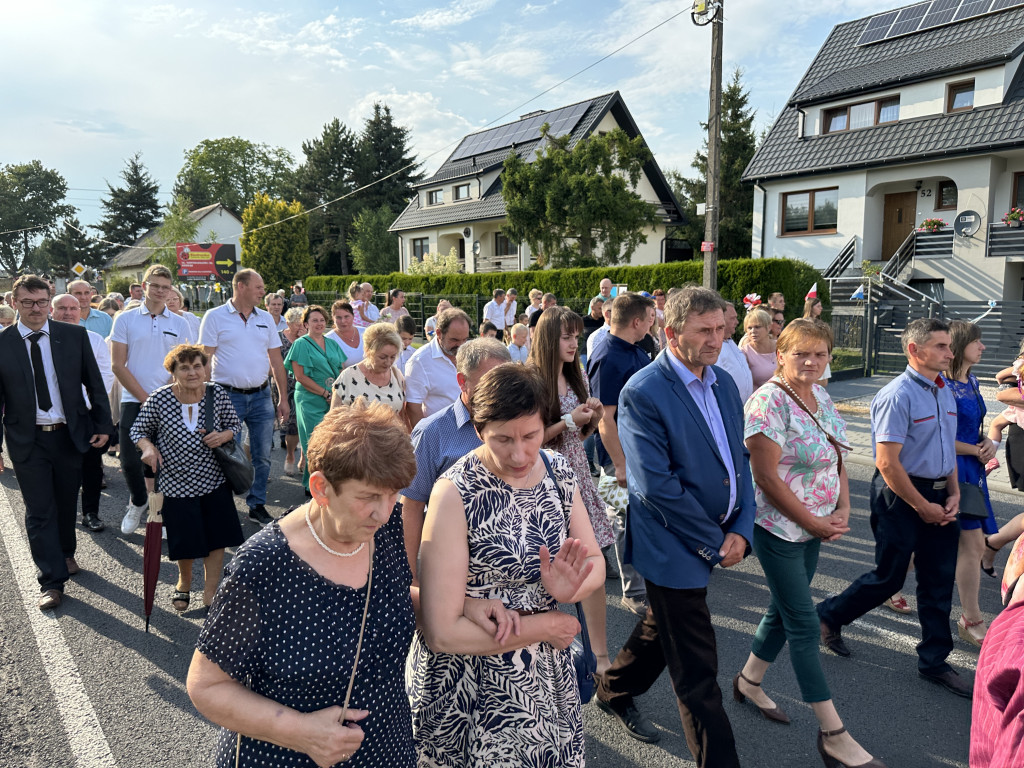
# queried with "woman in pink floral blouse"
point(796, 441)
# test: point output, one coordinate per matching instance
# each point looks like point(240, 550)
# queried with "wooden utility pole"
point(712, 213)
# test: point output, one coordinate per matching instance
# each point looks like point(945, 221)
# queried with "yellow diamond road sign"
point(79, 269)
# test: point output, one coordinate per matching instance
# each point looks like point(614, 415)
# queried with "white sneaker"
point(132, 517)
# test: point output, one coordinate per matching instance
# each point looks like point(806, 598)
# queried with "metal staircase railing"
point(843, 260)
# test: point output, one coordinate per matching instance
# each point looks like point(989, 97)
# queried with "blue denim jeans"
point(257, 412)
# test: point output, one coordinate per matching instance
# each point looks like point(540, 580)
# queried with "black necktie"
point(42, 389)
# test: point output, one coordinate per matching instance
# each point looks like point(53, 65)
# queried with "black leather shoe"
point(92, 522)
point(258, 515)
point(832, 638)
point(636, 725)
point(952, 682)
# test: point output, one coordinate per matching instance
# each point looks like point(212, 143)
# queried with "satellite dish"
point(967, 223)
point(705, 11)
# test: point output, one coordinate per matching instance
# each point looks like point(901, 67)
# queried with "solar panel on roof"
point(970, 8)
point(927, 16)
point(562, 121)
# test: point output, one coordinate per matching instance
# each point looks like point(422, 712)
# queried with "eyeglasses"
point(158, 287)
point(38, 303)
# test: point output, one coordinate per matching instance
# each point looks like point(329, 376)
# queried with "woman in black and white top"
point(199, 510)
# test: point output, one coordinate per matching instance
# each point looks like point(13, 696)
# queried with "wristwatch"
point(569, 423)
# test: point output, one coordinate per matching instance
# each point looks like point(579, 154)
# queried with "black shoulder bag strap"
point(835, 443)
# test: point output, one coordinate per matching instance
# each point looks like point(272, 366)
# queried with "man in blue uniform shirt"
point(914, 504)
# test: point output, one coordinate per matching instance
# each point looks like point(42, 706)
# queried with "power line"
point(400, 170)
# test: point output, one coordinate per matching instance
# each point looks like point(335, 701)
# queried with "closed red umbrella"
point(151, 551)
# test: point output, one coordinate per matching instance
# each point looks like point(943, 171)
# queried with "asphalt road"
point(87, 687)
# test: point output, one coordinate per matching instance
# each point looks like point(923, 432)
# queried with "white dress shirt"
point(56, 413)
point(430, 379)
point(102, 355)
point(510, 313)
point(242, 345)
point(148, 338)
point(495, 313)
point(732, 359)
point(596, 339)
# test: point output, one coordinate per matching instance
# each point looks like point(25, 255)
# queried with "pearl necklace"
point(319, 541)
point(792, 393)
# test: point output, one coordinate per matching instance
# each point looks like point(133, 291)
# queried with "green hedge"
point(736, 278)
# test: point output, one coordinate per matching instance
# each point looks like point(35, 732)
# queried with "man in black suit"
point(49, 427)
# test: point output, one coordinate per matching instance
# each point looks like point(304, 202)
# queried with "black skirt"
point(199, 525)
point(1015, 456)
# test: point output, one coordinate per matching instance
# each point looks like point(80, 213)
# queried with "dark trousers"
point(677, 633)
point(49, 479)
point(899, 533)
point(135, 472)
point(92, 480)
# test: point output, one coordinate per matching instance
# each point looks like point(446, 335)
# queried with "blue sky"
point(89, 83)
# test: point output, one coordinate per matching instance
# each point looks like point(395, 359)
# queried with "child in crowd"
point(406, 328)
point(1012, 414)
point(488, 330)
point(519, 349)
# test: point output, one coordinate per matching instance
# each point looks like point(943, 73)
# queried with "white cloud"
point(456, 13)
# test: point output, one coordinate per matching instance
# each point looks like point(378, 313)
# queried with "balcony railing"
point(934, 245)
point(1005, 242)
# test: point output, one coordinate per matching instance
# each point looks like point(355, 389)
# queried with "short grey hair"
point(691, 299)
point(475, 353)
point(293, 315)
point(919, 330)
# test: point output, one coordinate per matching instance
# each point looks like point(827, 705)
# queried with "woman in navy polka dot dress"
point(275, 657)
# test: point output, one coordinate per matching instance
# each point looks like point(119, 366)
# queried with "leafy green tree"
point(383, 150)
point(130, 210)
point(434, 263)
point(327, 174)
point(31, 205)
point(57, 254)
point(576, 207)
point(739, 141)
point(279, 253)
point(374, 249)
point(178, 226)
point(232, 171)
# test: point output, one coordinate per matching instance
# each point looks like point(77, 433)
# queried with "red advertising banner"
point(206, 261)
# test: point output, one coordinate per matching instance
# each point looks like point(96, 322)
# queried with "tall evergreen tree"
point(326, 175)
point(739, 142)
point(384, 150)
point(130, 210)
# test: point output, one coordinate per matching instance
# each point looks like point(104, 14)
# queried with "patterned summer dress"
point(570, 445)
point(521, 708)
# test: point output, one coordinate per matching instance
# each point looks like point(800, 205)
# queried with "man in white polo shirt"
point(240, 337)
point(494, 311)
point(431, 381)
point(140, 340)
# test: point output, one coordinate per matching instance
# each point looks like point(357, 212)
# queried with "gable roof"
point(463, 163)
point(135, 255)
point(842, 69)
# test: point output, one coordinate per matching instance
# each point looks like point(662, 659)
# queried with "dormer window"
point(435, 197)
point(960, 96)
point(863, 115)
point(461, 192)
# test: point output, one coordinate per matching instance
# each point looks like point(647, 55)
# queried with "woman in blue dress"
point(972, 453)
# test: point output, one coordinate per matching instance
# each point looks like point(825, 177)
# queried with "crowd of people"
point(458, 492)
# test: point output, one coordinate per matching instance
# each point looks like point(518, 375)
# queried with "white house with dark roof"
point(914, 113)
point(216, 223)
point(461, 205)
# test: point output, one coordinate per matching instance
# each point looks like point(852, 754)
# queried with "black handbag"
point(231, 458)
point(972, 502)
point(583, 658)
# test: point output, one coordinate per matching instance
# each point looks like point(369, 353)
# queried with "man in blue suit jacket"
point(691, 507)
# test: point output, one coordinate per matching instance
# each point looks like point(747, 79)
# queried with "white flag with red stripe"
point(813, 293)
